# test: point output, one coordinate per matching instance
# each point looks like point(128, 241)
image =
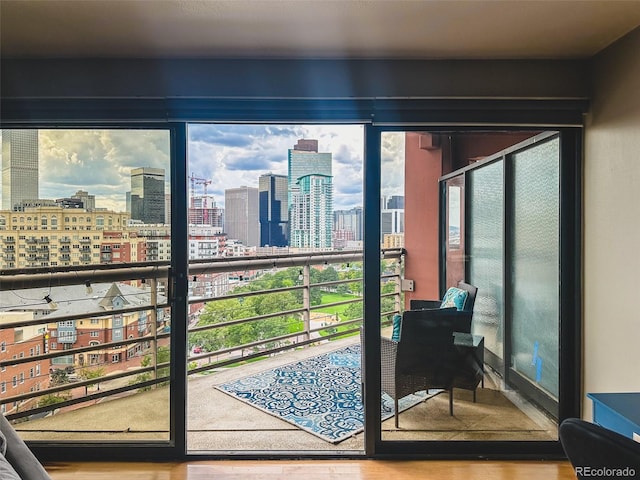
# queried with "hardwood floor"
point(316, 470)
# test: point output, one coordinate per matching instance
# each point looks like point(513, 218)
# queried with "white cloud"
point(98, 161)
point(239, 159)
point(392, 167)
point(230, 155)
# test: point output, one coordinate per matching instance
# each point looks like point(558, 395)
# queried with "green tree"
point(327, 274)
point(163, 356)
point(353, 311)
point(247, 332)
point(90, 374)
point(58, 377)
point(54, 398)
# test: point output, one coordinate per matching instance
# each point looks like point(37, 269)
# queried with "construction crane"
point(195, 180)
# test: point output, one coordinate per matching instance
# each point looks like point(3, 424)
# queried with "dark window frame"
point(378, 115)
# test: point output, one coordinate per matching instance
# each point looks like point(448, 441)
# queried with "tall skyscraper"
point(392, 215)
point(241, 215)
point(391, 221)
point(349, 221)
point(310, 181)
point(147, 198)
point(274, 210)
point(19, 167)
point(312, 212)
point(395, 202)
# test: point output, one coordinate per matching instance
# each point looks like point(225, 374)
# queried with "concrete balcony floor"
point(218, 423)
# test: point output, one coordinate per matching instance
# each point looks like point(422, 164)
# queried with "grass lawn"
point(332, 298)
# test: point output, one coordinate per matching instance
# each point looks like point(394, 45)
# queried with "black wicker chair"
point(597, 452)
point(461, 318)
point(425, 357)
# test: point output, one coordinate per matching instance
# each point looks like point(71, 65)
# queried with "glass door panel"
point(275, 288)
point(535, 242)
point(443, 377)
point(454, 228)
point(485, 225)
point(85, 319)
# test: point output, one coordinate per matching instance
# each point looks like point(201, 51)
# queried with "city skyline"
point(100, 160)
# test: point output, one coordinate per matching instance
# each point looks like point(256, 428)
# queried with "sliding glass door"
point(244, 262)
point(481, 208)
point(275, 233)
point(534, 271)
point(85, 308)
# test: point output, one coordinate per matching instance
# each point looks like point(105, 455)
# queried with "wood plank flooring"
point(316, 470)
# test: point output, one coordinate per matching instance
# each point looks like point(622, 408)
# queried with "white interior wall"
point(612, 223)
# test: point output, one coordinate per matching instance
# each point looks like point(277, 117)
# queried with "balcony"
point(100, 387)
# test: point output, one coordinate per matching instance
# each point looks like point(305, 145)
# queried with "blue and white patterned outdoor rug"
point(320, 394)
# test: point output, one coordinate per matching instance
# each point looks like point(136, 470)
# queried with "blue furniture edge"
point(619, 412)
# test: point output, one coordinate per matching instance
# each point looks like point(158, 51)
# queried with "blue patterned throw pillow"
point(455, 297)
point(397, 323)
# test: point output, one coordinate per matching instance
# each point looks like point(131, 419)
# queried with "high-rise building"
point(304, 159)
point(88, 201)
point(348, 221)
point(167, 209)
point(310, 180)
point(204, 212)
point(311, 212)
point(241, 215)
point(395, 202)
point(274, 210)
point(19, 167)
point(391, 221)
point(391, 215)
point(147, 197)
point(57, 235)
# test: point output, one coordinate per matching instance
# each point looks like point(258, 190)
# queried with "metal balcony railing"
point(117, 335)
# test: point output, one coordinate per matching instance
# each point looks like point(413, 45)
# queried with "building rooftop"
point(74, 299)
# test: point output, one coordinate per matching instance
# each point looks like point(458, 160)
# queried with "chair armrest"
point(424, 304)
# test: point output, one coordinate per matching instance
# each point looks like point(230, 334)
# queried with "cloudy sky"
point(100, 161)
